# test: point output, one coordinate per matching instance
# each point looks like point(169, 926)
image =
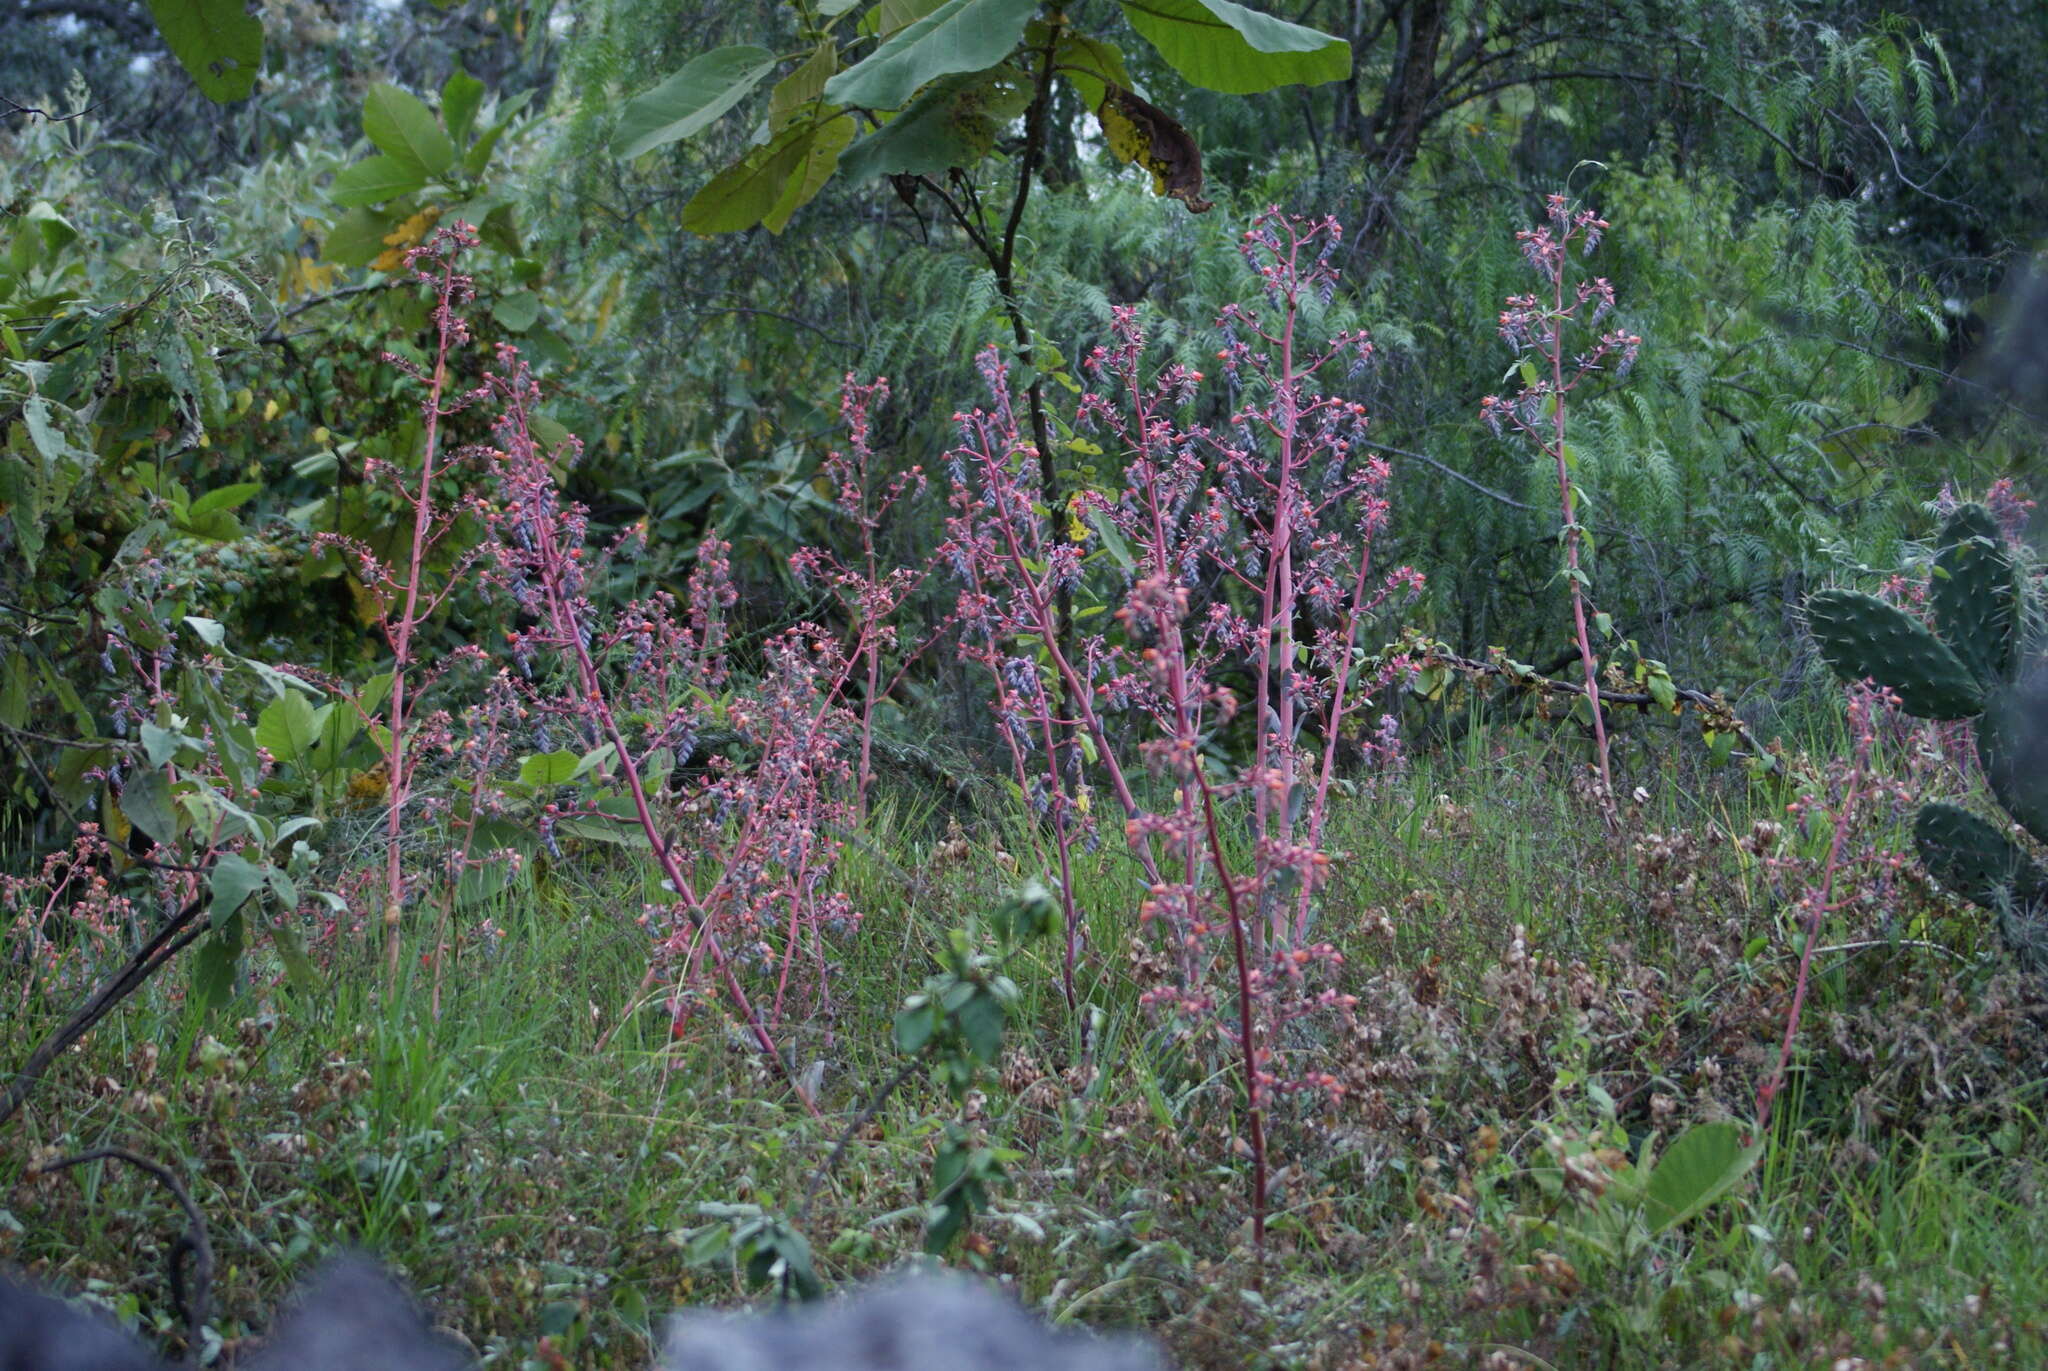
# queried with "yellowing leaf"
point(821, 158)
point(1139, 131)
point(368, 606)
point(802, 85)
point(303, 276)
point(406, 235)
point(738, 197)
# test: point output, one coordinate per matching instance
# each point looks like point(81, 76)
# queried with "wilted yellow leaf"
point(406, 235)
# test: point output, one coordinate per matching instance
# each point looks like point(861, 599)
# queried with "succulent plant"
point(1978, 662)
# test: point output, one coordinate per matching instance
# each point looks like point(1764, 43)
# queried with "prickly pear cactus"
point(1976, 861)
point(1863, 637)
point(1976, 663)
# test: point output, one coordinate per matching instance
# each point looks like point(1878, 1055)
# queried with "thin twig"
point(853, 1126)
point(1714, 708)
point(194, 1239)
point(1869, 943)
point(1488, 491)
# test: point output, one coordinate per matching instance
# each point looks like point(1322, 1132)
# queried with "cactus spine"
point(1974, 664)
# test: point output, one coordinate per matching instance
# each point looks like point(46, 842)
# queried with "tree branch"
point(193, 1240)
point(150, 958)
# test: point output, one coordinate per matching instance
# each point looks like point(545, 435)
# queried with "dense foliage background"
point(1821, 227)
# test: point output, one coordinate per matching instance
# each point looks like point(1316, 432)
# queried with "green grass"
point(532, 1185)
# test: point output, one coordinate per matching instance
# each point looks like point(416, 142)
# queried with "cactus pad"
point(1975, 594)
point(1974, 860)
point(2012, 743)
point(1861, 636)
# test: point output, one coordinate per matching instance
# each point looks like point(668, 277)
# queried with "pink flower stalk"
point(400, 595)
point(1530, 324)
point(539, 558)
point(1858, 786)
point(1238, 558)
point(871, 596)
point(748, 849)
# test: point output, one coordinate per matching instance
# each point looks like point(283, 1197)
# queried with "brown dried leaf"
point(1139, 131)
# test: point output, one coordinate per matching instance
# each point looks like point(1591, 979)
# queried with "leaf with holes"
point(803, 86)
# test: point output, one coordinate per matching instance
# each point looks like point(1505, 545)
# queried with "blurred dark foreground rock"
point(353, 1317)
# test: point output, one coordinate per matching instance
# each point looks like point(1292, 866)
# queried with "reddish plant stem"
point(1567, 502)
point(402, 631)
point(1332, 725)
point(1174, 648)
point(461, 863)
point(664, 851)
point(1247, 1038)
point(1045, 621)
point(566, 622)
point(1276, 618)
point(872, 647)
point(1818, 905)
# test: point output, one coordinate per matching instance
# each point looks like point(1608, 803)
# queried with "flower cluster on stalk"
point(1235, 562)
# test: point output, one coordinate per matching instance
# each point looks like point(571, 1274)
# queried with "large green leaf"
point(1226, 47)
point(953, 124)
point(53, 228)
point(220, 957)
point(146, 802)
point(401, 125)
point(289, 726)
point(688, 102)
point(891, 15)
point(356, 238)
point(517, 311)
point(223, 498)
point(218, 41)
point(483, 881)
point(375, 180)
point(981, 1024)
point(232, 881)
point(1701, 1165)
point(821, 158)
point(803, 86)
point(542, 769)
point(461, 95)
point(738, 197)
point(960, 35)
